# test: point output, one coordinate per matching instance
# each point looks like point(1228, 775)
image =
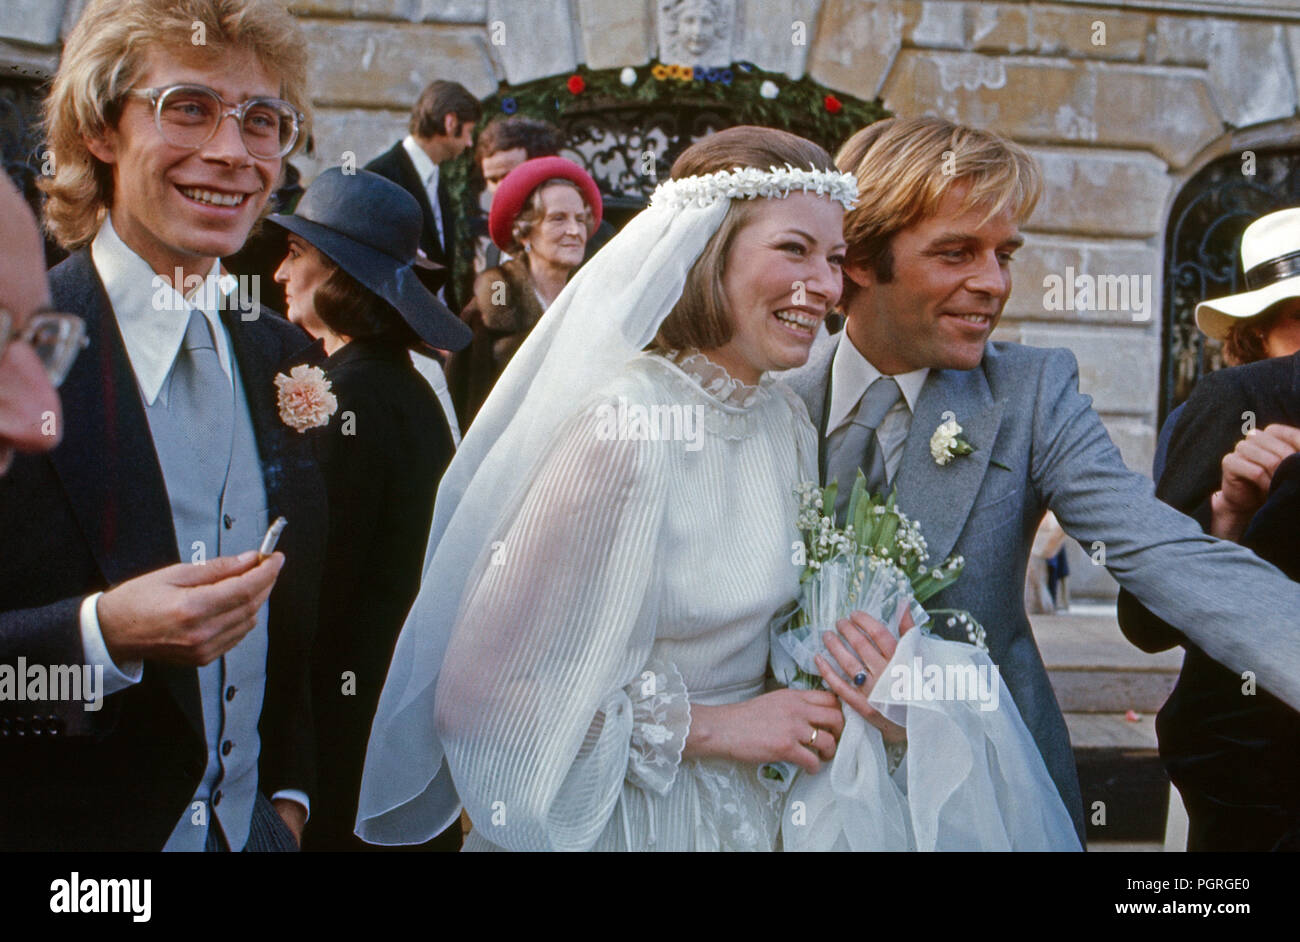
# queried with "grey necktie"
point(200, 412)
point(856, 445)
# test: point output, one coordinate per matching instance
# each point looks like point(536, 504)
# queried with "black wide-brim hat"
point(370, 227)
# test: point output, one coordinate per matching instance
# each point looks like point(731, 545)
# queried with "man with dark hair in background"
point(441, 129)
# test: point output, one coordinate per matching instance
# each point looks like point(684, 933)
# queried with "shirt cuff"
point(96, 651)
point(294, 795)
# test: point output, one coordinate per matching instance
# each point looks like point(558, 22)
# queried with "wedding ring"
point(860, 678)
point(812, 740)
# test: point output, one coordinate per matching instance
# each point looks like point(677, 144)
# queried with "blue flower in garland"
point(509, 105)
point(726, 77)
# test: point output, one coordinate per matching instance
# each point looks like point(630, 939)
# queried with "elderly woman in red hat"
point(543, 213)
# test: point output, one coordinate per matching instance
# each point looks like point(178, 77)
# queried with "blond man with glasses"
point(131, 547)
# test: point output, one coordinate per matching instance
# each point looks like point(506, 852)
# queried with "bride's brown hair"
point(699, 318)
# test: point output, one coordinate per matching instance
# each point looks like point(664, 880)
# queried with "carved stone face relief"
point(696, 32)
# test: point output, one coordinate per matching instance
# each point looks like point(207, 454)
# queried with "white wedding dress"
point(637, 579)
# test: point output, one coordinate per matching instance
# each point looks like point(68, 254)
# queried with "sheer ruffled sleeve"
point(548, 701)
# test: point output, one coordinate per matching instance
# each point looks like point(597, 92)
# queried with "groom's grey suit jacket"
point(1039, 446)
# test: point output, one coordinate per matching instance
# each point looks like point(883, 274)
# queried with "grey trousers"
point(267, 832)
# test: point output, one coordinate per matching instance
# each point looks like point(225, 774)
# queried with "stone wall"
point(1120, 101)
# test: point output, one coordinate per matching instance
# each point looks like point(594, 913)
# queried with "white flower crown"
point(750, 183)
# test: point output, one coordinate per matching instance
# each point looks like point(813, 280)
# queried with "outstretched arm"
point(1238, 609)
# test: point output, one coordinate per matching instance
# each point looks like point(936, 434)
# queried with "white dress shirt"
point(851, 375)
point(432, 372)
point(428, 173)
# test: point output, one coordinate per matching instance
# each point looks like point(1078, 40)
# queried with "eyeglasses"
point(56, 338)
point(188, 116)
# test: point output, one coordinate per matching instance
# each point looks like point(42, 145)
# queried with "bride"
point(584, 666)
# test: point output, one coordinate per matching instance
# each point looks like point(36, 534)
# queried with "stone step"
point(1094, 669)
point(1112, 731)
point(1098, 676)
point(1121, 778)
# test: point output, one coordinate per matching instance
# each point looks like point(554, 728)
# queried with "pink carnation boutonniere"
point(305, 398)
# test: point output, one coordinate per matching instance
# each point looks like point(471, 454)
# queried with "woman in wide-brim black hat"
point(349, 278)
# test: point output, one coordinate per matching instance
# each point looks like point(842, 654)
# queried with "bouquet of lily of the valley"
point(875, 563)
point(973, 778)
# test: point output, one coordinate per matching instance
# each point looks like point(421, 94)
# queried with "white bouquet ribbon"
point(972, 778)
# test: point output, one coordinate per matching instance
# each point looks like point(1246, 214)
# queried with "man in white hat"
point(1264, 320)
point(1261, 322)
point(1229, 748)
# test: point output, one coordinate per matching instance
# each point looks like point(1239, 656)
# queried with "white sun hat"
point(1270, 257)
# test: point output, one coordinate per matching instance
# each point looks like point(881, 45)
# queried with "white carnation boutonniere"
point(304, 397)
point(946, 443)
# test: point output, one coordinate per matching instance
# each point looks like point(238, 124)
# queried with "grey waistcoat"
point(220, 519)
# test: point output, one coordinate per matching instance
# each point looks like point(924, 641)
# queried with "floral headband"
point(751, 183)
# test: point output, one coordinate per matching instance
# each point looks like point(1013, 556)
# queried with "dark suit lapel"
point(941, 497)
point(412, 182)
point(260, 357)
point(107, 463)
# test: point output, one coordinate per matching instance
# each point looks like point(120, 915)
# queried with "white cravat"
point(428, 173)
point(851, 375)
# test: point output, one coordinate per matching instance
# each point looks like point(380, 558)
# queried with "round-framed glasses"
point(188, 116)
point(56, 338)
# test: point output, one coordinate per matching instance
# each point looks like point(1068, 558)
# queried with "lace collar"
point(729, 392)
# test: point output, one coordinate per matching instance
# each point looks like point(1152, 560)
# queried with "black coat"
point(1232, 755)
point(93, 513)
point(383, 460)
point(395, 164)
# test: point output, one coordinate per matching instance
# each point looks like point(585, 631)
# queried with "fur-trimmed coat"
point(504, 309)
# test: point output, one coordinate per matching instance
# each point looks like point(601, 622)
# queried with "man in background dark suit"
point(441, 129)
point(197, 734)
point(1229, 746)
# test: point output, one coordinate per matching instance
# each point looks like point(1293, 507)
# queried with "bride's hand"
point(798, 726)
point(872, 647)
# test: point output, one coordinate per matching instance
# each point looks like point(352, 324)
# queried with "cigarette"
point(272, 537)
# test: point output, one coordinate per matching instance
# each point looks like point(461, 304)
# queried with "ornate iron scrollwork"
point(1202, 256)
point(612, 144)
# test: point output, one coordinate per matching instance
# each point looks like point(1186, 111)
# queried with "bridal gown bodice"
point(638, 578)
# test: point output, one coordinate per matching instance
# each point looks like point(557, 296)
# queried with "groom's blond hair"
point(906, 166)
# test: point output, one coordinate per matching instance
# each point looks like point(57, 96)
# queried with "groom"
point(926, 277)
